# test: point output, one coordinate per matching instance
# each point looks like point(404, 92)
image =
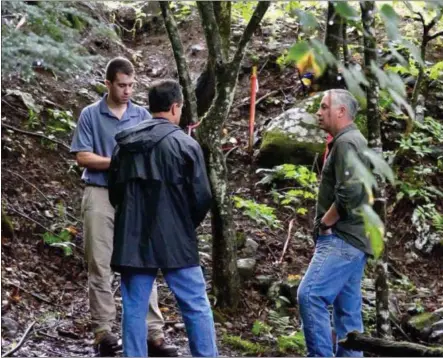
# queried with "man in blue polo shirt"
point(93, 144)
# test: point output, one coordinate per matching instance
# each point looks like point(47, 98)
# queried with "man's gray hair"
point(345, 98)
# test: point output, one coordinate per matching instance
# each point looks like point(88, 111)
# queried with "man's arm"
point(83, 145)
point(200, 189)
point(349, 192)
point(92, 161)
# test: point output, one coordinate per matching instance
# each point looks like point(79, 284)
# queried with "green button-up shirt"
point(338, 185)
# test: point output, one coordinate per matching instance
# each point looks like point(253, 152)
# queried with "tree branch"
point(35, 135)
point(190, 108)
point(383, 347)
point(257, 16)
point(437, 34)
point(23, 340)
point(212, 33)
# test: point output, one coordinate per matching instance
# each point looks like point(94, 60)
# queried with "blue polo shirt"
point(96, 130)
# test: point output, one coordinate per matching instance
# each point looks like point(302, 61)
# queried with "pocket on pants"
point(350, 252)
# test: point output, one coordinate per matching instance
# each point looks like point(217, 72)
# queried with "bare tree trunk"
point(205, 89)
point(373, 122)
point(190, 108)
point(344, 36)
point(421, 83)
point(222, 10)
point(332, 42)
point(225, 274)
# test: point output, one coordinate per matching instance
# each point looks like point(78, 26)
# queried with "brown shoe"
point(160, 348)
point(106, 344)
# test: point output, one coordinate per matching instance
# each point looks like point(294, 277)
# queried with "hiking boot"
point(106, 344)
point(160, 348)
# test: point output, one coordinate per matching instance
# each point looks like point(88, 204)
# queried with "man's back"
point(159, 187)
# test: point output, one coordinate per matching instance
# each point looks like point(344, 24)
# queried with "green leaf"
point(345, 10)
point(306, 19)
point(298, 51)
point(391, 20)
point(414, 50)
point(374, 228)
point(361, 173)
point(436, 71)
point(380, 166)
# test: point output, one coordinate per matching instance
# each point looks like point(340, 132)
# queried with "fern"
point(261, 213)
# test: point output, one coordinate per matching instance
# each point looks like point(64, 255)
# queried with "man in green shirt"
point(336, 269)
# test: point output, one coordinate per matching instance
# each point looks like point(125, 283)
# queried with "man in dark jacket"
point(159, 188)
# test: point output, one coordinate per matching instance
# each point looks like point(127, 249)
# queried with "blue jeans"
point(189, 288)
point(333, 278)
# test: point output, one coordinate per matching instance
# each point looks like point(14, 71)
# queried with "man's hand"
point(325, 232)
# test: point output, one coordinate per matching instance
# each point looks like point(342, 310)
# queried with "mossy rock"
point(100, 88)
point(279, 147)
point(294, 136)
point(421, 325)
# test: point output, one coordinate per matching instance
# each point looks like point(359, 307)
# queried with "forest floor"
point(42, 191)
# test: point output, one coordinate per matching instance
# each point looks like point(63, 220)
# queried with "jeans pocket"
point(350, 252)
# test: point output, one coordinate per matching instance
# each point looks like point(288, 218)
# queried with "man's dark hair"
point(118, 65)
point(163, 94)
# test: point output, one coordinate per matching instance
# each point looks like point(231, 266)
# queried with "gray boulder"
point(427, 325)
point(294, 136)
point(251, 248)
point(246, 267)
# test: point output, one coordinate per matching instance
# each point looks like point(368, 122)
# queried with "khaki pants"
point(98, 231)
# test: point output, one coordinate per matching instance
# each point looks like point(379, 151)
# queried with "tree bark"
point(222, 11)
point(205, 89)
point(344, 36)
point(190, 107)
point(386, 348)
point(374, 140)
point(421, 83)
point(332, 42)
point(225, 275)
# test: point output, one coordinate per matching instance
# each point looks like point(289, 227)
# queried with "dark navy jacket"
point(160, 190)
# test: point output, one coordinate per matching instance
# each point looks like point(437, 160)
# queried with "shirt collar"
point(344, 130)
point(104, 108)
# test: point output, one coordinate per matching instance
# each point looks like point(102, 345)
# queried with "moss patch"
point(294, 343)
point(423, 320)
point(278, 148)
point(244, 345)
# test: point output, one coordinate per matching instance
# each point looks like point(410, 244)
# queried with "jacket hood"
point(145, 135)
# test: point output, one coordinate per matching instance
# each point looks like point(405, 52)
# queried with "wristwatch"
point(324, 227)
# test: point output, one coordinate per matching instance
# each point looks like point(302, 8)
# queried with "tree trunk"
point(205, 89)
point(374, 139)
point(225, 275)
point(222, 11)
point(226, 281)
point(332, 42)
point(344, 36)
point(386, 348)
point(420, 84)
point(190, 108)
